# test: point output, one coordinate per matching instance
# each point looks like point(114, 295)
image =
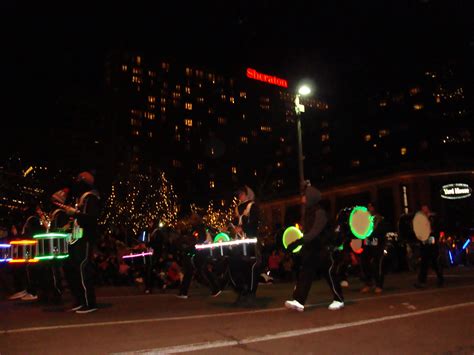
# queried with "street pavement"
point(401, 320)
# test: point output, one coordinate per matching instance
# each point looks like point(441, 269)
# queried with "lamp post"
point(299, 108)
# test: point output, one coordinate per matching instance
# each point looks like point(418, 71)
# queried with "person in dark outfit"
point(317, 253)
point(430, 253)
point(244, 270)
point(196, 264)
point(78, 269)
point(373, 255)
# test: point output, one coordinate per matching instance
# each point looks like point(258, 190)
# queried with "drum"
point(52, 246)
point(290, 235)
point(421, 227)
point(5, 253)
point(358, 220)
point(23, 251)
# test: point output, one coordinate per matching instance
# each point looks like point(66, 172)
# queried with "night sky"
point(349, 48)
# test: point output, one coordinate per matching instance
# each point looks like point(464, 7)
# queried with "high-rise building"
point(208, 131)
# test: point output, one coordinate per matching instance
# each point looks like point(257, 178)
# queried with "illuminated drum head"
point(221, 237)
point(356, 246)
point(361, 222)
point(421, 226)
point(290, 235)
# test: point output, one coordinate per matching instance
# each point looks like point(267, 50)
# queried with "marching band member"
point(244, 272)
point(373, 255)
point(317, 253)
point(194, 262)
point(78, 269)
point(430, 254)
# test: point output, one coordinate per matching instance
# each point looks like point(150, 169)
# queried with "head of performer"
point(311, 196)
point(426, 210)
point(83, 182)
point(245, 193)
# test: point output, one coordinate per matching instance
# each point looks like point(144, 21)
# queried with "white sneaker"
point(18, 295)
point(29, 297)
point(344, 283)
point(217, 293)
point(183, 297)
point(73, 309)
point(86, 310)
point(335, 305)
point(294, 305)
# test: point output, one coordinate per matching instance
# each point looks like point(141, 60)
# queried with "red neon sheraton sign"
point(253, 74)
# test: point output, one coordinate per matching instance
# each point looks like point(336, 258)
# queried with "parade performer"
point(244, 271)
point(317, 253)
point(78, 268)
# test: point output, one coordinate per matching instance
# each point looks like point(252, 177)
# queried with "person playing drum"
point(429, 252)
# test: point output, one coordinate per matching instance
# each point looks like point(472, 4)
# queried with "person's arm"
point(320, 222)
point(252, 226)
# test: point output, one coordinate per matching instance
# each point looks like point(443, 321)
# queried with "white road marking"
point(291, 333)
point(212, 315)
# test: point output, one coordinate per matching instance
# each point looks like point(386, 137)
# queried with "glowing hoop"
point(221, 237)
point(290, 235)
point(361, 222)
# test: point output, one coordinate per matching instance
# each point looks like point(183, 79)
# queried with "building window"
point(414, 91)
point(279, 164)
point(324, 124)
point(325, 137)
point(265, 107)
point(418, 107)
point(222, 120)
point(265, 128)
point(176, 95)
point(188, 106)
point(151, 99)
point(189, 72)
point(136, 132)
point(165, 66)
point(255, 172)
point(150, 134)
point(150, 116)
point(403, 151)
point(244, 139)
point(212, 184)
point(163, 109)
point(177, 137)
point(138, 59)
point(188, 122)
point(187, 90)
point(200, 166)
point(124, 68)
point(136, 71)
point(200, 100)
point(243, 95)
point(232, 100)
point(176, 163)
point(151, 73)
point(383, 133)
point(223, 97)
point(355, 163)
point(383, 103)
point(234, 170)
point(135, 122)
point(367, 137)
point(136, 80)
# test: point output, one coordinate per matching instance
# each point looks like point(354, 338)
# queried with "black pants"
point(197, 265)
point(312, 260)
point(429, 254)
point(372, 265)
point(79, 273)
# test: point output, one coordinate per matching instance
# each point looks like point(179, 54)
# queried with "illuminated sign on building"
point(455, 191)
point(253, 74)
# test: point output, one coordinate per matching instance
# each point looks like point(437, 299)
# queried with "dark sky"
point(347, 47)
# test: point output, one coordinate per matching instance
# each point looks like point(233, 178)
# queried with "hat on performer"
point(85, 177)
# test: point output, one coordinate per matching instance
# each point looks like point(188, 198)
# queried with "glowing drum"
point(23, 251)
point(290, 235)
point(359, 220)
point(422, 228)
point(5, 253)
point(52, 246)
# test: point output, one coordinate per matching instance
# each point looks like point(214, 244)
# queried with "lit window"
point(367, 137)
point(189, 71)
point(200, 100)
point(255, 172)
point(138, 59)
point(163, 100)
point(177, 137)
point(279, 183)
point(150, 116)
point(243, 94)
point(223, 97)
point(232, 100)
point(383, 103)
point(200, 166)
point(163, 109)
point(222, 120)
point(234, 170)
point(150, 134)
point(418, 107)
point(165, 66)
point(243, 116)
point(135, 122)
point(136, 71)
point(188, 122)
point(282, 139)
point(414, 91)
point(188, 106)
point(176, 163)
point(151, 99)
point(266, 128)
point(135, 132)
point(213, 152)
point(254, 133)
point(279, 164)
point(265, 107)
point(324, 124)
point(244, 139)
point(325, 137)
point(176, 95)
point(355, 163)
point(438, 99)
point(151, 73)
point(212, 184)
point(383, 133)
point(403, 150)
point(124, 67)
point(188, 90)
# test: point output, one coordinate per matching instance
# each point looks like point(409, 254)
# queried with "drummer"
point(430, 253)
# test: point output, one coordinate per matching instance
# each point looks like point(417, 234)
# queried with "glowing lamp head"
point(304, 90)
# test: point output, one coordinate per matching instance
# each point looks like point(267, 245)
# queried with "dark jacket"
point(316, 223)
point(250, 222)
point(88, 215)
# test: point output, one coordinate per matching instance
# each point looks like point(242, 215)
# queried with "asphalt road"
point(402, 320)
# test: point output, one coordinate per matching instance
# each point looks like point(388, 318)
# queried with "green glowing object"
point(290, 235)
point(51, 236)
point(221, 237)
point(51, 257)
point(361, 222)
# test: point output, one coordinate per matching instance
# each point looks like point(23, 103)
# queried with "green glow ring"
point(51, 236)
point(292, 230)
point(221, 237)
point(369, 229)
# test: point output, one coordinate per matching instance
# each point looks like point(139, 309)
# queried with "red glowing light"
point(253, 74)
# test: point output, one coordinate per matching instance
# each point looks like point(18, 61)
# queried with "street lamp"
point(303, 90)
